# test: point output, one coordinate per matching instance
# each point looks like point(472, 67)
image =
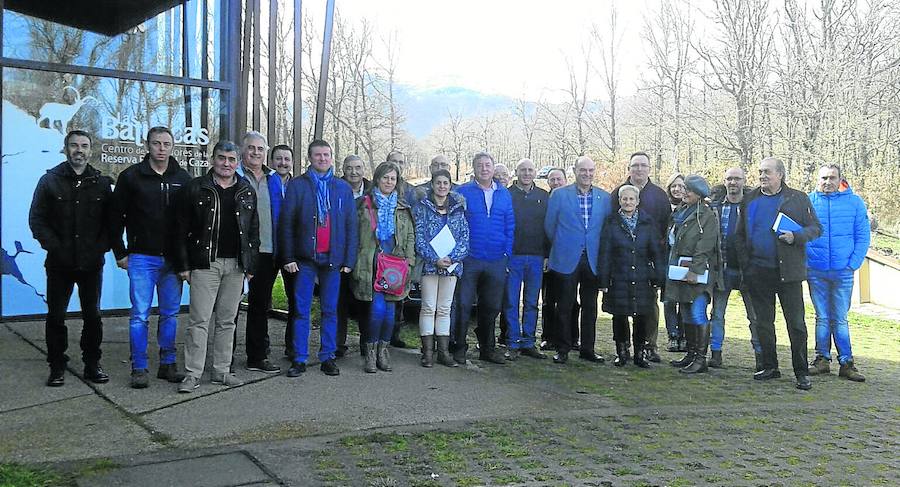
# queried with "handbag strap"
point(372, 220)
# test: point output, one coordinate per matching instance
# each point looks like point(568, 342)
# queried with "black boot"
point(701, 343)
point(689, 356)
point(621, 354)
point(716, 360)
point(641, 359)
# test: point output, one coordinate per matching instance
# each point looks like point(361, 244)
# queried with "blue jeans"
point(830, 292)
point(381, 319)
point(695, 313)
point(720, 303)
point(146, 273)
point(527, 270)
point(329, 288)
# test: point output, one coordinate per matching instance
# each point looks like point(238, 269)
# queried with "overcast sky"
point(509, 47)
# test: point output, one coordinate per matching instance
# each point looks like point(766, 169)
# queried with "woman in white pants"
point(442, 257)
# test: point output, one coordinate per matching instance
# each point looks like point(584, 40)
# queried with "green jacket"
point(404, 246)
point(698, 238)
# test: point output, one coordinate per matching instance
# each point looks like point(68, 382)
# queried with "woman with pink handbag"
point(386, 255)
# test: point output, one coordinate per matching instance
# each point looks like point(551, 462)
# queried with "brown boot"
point(849, 372)
point(820, 365)
point(370, 359)
point(383, 359)
point(443, 348)
point(427, 350)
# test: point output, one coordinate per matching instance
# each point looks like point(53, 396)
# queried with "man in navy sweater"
point(489, 212)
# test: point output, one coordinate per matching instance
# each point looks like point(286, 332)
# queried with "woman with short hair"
point(631, 268)
point(674, 325)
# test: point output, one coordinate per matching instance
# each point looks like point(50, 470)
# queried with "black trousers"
point(764, 284)
point(60, 284)
point(585, 283)
point(259, 301)
point(620, 330)
point(549, 305)
point(348, 306)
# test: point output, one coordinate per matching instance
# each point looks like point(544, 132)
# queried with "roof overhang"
point(107, 17)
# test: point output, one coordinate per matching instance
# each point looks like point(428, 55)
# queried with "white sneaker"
point(188, 385)
point(229, 380)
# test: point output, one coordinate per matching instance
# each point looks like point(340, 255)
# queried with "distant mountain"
point(425, 109)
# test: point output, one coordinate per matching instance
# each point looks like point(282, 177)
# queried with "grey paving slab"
point(22, 385)
point(80, 427)
point(220, 470)
point(317, 404)
point(12, 347)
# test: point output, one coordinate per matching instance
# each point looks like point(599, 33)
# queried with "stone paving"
point(526, 423)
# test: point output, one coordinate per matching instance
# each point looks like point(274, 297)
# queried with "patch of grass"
point(531, 465)
point(97, 467)
point(15, 475)
point(335, 476)
point(468, 481)
point(507, 479)
point(328, 464)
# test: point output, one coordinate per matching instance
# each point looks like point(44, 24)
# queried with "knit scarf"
point(323, 202)
point(387, 205)
point(630, 222)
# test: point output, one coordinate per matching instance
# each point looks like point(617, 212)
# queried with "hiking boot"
point(673, 344)
point(229, 380)
point(140, 378)
point(682, 344)
point(328, 367)
point(168, 372)
point(511, 354)
point(491, 356)
point(533, 353)
point(849, 372)
point(95, 374)
point(820, 365)
point(651, 355)
point(371, 361)
point(297, 369)
point(561, 358)
point(188, 385)
point(716, 360)
point(263, 366)
point(621, 355)
point(57, 377)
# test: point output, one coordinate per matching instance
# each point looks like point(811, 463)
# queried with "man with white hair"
point(527, 263)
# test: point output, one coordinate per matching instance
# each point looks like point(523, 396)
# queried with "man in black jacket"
point(527, 263)
point(144, 203)
point(774, 263)
point(217, 241)
point(68, 216)
point(655, 202)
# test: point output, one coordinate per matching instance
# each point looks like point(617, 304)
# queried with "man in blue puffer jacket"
point(833, 258)
point(489, 212)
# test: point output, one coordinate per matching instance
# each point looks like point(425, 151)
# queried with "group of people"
point(491, 243)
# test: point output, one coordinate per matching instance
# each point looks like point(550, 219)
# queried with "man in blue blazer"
point(574, 222)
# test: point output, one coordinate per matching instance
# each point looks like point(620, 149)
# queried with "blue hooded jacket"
point(845, 231)
point(490, 233)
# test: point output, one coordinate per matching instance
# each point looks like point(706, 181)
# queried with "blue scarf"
point(630, 222)
point(387, 205)
point(323, 202)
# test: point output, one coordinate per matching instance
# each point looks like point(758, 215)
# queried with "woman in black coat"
point(631, 268)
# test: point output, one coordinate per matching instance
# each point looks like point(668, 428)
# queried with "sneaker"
point(296, 370)
point(188, 385)
point(849, 372)
point(263, 366)
point(511, 354)
point(57, 377)
point(140, 378)
point(330, 368)
point(545, 345)
point(229, 380)
point(820, 365)
point(673, 344)
point(169, 372)
point(592, 357)
point(95, 374)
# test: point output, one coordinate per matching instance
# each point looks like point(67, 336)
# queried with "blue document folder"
point(784, 223)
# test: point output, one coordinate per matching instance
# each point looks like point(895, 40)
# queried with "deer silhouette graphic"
point(58, 115)
point(9, 267)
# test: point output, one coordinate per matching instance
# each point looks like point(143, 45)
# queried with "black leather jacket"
point(69, 217)
point(197, 224)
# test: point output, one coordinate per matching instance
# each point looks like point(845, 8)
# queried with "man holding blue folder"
point(772, 255)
